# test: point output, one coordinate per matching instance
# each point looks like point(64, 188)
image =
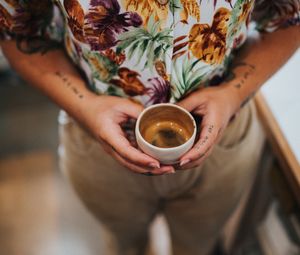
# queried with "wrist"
point(234, 96)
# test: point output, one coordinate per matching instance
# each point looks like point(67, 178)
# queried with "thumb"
point(133, 109)
point(187, 103)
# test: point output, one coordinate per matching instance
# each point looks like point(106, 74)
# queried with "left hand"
point(216, 106)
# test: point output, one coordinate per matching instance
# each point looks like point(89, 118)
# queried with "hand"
point(216, 105)
point(103, 118)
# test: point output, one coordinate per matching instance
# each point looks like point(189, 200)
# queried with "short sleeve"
point(36, 25)
point(270, 15)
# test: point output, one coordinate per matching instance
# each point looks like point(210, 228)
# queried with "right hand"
point(103, 117)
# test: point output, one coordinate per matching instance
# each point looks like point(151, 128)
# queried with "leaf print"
point(177, 47)
point(29, 23)
point(187, 76)
point(151, 43)
point(146, 8)
point(114, 91)
point(190, 8)
point(6, 20)
point(175, 5)
point(246, 11)
point(159, 91)
point(102, 67)
point(75, 18)
point(228, 1)
point(104, 22)
point(30, 18)
point(270, 15)
point(240, 12)
point(114, 57)
point(208, 43)
point(129, 82)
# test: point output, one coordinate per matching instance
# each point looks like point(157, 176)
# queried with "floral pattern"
point(152, 51)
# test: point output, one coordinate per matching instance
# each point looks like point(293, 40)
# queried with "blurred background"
point(39, 213)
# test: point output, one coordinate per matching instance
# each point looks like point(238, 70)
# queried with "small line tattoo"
point(250, 69)
point(68, 84)
point(210, 128)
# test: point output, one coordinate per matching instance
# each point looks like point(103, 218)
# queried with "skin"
point(256, 62)
point(54, 75)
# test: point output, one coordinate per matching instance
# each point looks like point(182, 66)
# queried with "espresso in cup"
point(165, 132)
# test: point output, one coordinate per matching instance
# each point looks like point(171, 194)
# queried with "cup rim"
point(159, 105)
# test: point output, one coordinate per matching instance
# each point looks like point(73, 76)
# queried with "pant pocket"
point(73, 137)
point(241, 151)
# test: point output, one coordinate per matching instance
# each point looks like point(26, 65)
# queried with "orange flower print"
point(190, 8)
point(129, 82)
point(246, 10)
point(146, 8)
point(75, 18)
point(114, 57)
point(208, 43)
point(160, 68)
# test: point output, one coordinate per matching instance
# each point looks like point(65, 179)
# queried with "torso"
point(153, 51)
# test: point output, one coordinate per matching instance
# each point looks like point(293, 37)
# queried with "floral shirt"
point(152, 51)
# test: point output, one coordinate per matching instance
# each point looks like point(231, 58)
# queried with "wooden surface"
point(39, 215)
point(280, 146)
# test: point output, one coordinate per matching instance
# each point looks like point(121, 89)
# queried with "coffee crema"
point(166, 134)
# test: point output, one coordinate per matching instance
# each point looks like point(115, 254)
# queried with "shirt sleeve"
point(271, 15)
point(36, 25)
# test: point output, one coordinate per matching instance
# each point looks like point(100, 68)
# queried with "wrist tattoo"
point(67, 82)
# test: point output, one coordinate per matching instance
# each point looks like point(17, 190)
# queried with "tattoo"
point(204, 140)
point(247, 73)
point(69, 84)
point(250, 69)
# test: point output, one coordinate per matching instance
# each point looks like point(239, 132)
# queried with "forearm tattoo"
point(250, 69)
point(67, 83)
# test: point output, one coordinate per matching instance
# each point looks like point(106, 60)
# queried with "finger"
point(162, 170)
point(208, 134)
point(142, 170)
point(197, 162)
point(188, 103)
point(116, 138)
point(132, 109)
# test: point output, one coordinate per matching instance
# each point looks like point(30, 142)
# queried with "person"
point(103, 61)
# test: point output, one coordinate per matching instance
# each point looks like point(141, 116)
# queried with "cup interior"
point(166, 113)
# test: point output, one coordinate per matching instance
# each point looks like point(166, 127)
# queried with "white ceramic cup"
point(168, 112)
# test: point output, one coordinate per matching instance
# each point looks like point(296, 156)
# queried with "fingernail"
point(154, 165)
point(185, 161)
point(172, 172)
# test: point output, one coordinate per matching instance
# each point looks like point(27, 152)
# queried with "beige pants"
point(196, 203)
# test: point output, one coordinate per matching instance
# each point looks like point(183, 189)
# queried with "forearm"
point(53, 74)
point(259, 59)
